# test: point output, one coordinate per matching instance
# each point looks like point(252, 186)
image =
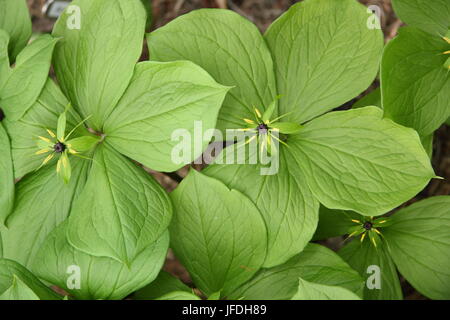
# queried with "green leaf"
point(356, 160)
point(217, 233)
point(179, 295)
point(5, 70)
point(319, 48)
point(18, 291)
point(287, 205)
point(427, 143)
point(316, 264)
point(419, 243)
point(372, 99)
point(361, 255)
point(430, 16)
point(415, 85)
point(215, 296)
point(43, 201)
point(84, 143)
point(42, 115)
point(164, 284)
point(94, 64)
point(28, 77)
point(149, 10)
point(313, 291)
point(163, 99)
point(61, 127)
point(334, 223)
point(269, 112)
point(10, 270)
point(65, 169)
point(287, 127)
point(15, 20)
point(6, 176)
point(100, 278)
point(121, 211)
point(447, 63)
point(231, 49)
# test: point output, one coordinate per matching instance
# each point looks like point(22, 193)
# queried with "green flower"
point(60, 145)
point(266, 130)
point(369, 227)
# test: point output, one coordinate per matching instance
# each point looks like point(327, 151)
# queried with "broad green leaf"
point(6, 176)
point(5, 69)
point(15, 20)
point(179, 295)
point(313, 291)
point(43, 201)
point(18, 291)
point(316, 264)
point(214, 296)
point(287, 127)
point(427, 143)
point(94, 61)
point(164, 284)
point(121, 211)
point(9, 270)
point(84, 143)
point(430, 16)
point(164, 99)
point(356, 160)
point(231, 49)
point(217, 233)
point(42, 115)
point(319, 48)
point(361, 256)
point(334, 223)
point(289, 209)
point(448, 122)
point(25, 83)
point(415, 85)
point(100, 278)
point(372, 99)
point(149, 10)
point(419, 243)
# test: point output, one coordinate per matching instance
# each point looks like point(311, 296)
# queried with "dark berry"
point(59, 147)
point(262, 128)
point(367, 225)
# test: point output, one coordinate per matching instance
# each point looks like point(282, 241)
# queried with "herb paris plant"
point(413, 240)
point(415, 70)
point(316, 264)
point(32, 63)
point(15, 21)
point(82, 205)
point(118, 213)
point(317, 55)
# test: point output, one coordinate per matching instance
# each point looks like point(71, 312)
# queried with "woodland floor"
point(262, 13)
